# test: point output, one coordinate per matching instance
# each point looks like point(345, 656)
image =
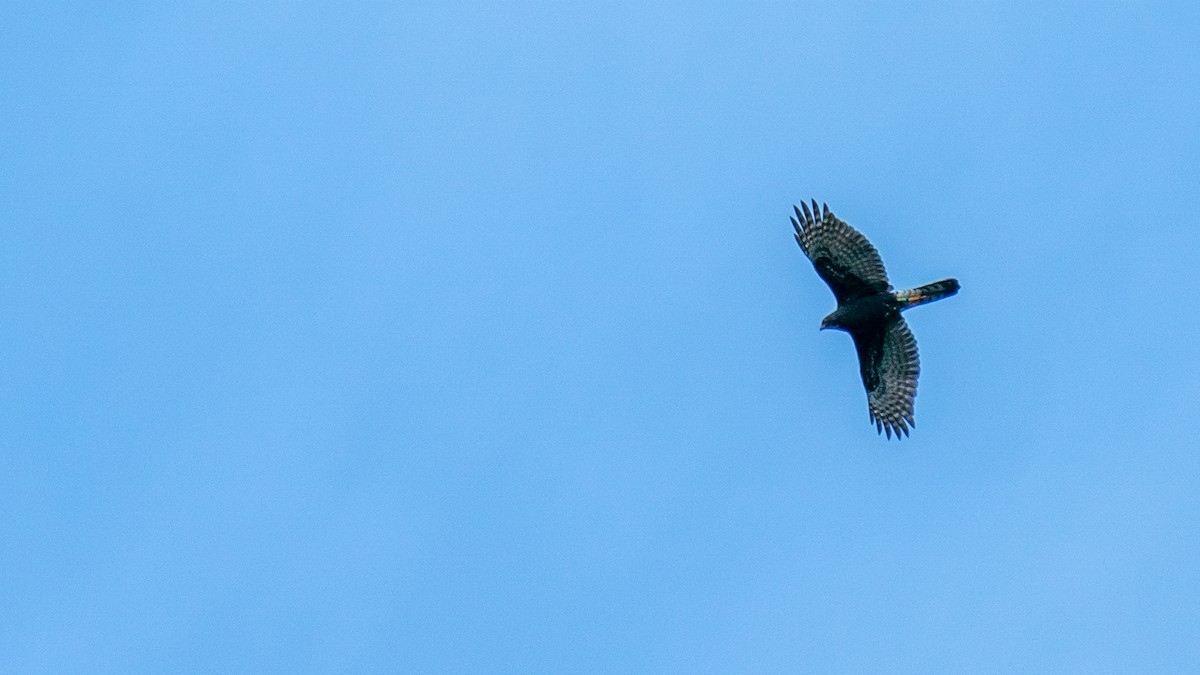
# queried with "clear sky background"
point(354, 337)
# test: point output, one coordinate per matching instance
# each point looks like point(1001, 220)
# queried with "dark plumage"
point(869, 310)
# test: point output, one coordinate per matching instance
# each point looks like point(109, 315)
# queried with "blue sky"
point(349, 337)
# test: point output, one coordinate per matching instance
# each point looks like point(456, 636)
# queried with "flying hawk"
point(869, 310)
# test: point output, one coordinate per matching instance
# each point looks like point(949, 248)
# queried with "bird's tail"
point(927, 293)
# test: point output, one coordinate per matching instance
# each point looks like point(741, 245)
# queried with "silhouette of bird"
point(869, 310)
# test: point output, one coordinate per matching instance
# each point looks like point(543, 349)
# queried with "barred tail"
point(927, 293)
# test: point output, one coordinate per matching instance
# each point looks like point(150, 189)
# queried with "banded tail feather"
point(927, 293)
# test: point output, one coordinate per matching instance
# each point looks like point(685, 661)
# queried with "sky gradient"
point(472, 337)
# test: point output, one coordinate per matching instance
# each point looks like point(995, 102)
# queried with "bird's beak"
point(824, 324)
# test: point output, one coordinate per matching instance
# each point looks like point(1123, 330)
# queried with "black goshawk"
point(869, 310)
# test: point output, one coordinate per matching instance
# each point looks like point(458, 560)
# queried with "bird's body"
point(869, 310)
point(863, 313)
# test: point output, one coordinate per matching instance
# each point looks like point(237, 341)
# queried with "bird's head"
point(829, 322)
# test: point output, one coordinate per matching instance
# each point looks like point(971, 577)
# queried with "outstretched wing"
point(844, 258)
point(889, 365)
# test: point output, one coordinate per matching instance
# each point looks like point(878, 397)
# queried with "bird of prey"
point(869, 310)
